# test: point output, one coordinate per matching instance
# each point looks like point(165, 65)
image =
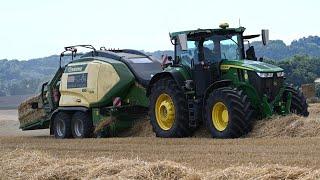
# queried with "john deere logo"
point(78, 68)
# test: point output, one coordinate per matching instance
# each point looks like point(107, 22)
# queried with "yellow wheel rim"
point(165, 111)
point(220, 116)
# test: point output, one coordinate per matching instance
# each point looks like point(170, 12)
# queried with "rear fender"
point(176, 76)
point(216, 85)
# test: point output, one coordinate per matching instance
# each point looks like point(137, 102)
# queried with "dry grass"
point(141, 128)
point(278, 148)
point(19, 164)
point(289, 126)
point(198, 153)
point(264, 172)
point(277, 126)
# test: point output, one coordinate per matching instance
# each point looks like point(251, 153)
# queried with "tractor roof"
point(213, 31)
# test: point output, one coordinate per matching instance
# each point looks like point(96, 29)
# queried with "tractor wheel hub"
point(165, 111)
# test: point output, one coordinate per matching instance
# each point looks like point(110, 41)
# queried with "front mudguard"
point(261, 105)
point(278, 105)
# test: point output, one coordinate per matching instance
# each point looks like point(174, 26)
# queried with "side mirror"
point(265, 36)
point(251, 54)
point(182, 40)
point(34, 105)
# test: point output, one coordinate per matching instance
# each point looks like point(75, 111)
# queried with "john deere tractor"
point(216, 80)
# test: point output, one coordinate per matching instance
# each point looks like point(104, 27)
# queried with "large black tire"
point(180, 124)
point(299, 104)
point(81, 125)
point(62, 126)
point(237, 113)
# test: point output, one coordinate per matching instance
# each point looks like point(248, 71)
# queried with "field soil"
point(278, 148)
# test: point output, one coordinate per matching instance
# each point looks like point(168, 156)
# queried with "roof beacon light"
point(224, 25)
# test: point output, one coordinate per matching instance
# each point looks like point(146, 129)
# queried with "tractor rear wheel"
point(168, 110)
point(299, 104)
point(81, 125)
point(228, 113)
point(62, 126)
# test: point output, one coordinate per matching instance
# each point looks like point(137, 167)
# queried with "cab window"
point(189, 56)
point(210, 49)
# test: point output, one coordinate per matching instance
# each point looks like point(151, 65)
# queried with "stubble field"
point(281, 147)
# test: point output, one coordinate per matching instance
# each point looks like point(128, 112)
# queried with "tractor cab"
point(207, 52)
point(208, 46)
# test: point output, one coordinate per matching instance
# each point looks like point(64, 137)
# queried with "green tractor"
point(216, 80)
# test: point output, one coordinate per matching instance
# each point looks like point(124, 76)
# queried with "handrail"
point(73, 50)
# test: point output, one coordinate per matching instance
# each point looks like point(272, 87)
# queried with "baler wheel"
point(62, 126)
point(81, 125)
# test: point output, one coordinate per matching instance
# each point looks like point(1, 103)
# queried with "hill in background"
point(278, 50)
point(26, 77)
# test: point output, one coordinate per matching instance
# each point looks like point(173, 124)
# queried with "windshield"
point(230, 48)
point(212, 49)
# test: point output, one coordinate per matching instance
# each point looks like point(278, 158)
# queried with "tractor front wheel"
point(168, 110)
point(228, 113)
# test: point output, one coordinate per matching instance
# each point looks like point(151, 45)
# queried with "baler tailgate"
point(29, 116)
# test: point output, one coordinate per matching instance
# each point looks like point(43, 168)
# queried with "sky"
point(40, 28)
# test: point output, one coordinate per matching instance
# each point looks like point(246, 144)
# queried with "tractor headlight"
point(265, 75)
point(280, 74)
